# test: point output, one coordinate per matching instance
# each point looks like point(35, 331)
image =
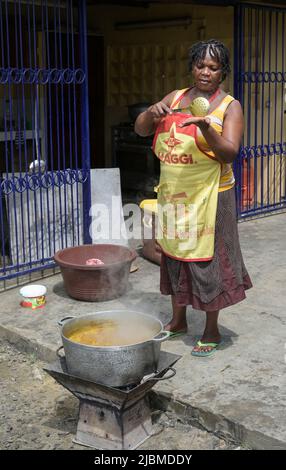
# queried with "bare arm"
point(225, 146)
point(147, 121)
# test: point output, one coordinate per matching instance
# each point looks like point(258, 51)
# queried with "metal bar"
point(275, 105)
point(243, 91)
point(65, 226)
point(22, 115)
point(271, 8)
point(45, 94)
point(18, 273)
point(3, 214)
point(10, 131)
point(282, 105)
point(68, 36)
point(263, 31)
point(75, 120)
point(237, 84)
point(51, 146)
point(247, 201)
point(32, 125)
point(39, 153)
point(265, 209)
point(85, 121)
point(39, 3)
point(269, 105)
point(58, 125)
point(34, 113)
point(256, 35)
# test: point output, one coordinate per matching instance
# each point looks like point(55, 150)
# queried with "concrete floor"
point(239, 392)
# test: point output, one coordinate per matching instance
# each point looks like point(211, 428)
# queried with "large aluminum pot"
point(115, 366)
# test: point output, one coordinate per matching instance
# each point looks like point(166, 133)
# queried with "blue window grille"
point(44, 133)
point(260, 86)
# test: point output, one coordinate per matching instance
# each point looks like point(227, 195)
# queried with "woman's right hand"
point(147, 121)
point(159, 109)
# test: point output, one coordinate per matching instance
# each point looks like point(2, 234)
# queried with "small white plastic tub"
point(34, 296)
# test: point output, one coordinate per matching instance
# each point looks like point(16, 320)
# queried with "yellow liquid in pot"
point(110, 333)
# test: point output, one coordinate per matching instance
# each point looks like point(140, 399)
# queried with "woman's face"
point(207, 74)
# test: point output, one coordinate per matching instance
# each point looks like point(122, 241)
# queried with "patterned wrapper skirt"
point(216, 284)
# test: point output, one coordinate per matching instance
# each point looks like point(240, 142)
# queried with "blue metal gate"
point(44, 132)
point(260, 86)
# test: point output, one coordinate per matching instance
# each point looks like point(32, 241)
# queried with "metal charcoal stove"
point(113, 418)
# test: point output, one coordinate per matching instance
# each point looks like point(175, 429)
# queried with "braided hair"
point(217, 50)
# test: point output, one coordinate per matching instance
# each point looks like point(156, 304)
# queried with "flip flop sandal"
point(200, 344)
point(175, 334)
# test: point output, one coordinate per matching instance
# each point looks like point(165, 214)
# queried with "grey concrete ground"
point(38, 413)
point(239, 392)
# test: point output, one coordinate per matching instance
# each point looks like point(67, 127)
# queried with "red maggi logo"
point(173, 158)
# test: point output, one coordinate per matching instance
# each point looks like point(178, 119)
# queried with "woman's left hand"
point(202, 122)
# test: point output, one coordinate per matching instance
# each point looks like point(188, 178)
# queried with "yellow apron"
point(187, 192)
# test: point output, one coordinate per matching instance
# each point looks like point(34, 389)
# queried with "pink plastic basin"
point(100, 282)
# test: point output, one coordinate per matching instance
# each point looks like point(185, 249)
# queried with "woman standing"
point(206, 271)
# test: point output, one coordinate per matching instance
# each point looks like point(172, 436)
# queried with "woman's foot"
point(207, 344)
point(176, 327)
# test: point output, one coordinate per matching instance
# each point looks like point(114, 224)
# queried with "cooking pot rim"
point(68, 264)
point(111, 347)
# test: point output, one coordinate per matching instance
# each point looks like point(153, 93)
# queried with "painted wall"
point(207, 22)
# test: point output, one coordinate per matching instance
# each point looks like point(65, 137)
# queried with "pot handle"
point(63, 320)
point(58, 352)
point(147, 378)
point(164, 335)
